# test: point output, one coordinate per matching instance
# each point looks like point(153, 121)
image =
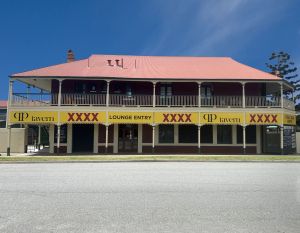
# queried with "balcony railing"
point(72, 99)
point(130, 100)
point(83, 99)
point(263, 101)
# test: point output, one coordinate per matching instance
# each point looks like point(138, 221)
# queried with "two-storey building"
point(155, 104)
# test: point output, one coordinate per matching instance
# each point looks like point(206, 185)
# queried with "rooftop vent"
point(70, 56)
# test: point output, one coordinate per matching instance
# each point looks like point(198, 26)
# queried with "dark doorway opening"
point(271, 139)
point(128, 138)
point(83, 138)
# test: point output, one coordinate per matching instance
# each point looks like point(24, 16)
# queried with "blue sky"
point(37, 33)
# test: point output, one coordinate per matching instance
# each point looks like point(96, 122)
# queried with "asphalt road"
point(150, 197)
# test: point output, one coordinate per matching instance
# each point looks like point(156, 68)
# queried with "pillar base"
point(199, 150)
point(105, 150)
point(8, 151)
point(57, 150)
point(153, 150)
point(244, 151)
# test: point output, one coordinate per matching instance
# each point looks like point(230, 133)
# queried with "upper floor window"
point(165, 89)
point(206, 91)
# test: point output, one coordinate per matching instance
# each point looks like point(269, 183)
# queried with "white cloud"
point(210, 26)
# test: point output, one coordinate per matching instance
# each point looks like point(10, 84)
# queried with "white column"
point(281, 138)
point(107, 93)
point(69, 138)
point(51, 139)
point(39, 137)
point(59, 92)
point(153, 138)
point(58, 139)
point(116, 139)
point(244, 98)
point(10, 92)
point(28, 91)
point(106, 138)
point(154, 95)
point(215, 135)
point(10, 95)
point(8, 140)
point(199, 139)
point(199, 95)
point(258, 139)
point(140, 138)
point(281, 94)
point(244, 139)
point(96, 136)
point(176, 134)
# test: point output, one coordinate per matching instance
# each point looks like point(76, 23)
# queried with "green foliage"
point(282, 66)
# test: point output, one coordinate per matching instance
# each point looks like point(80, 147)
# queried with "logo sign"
point(222, 118)
point(176, 118)
point(210, 117)
point(263, 118)
point(82, 117)
point(32, 117)
point(130, 117)
point(289, 119)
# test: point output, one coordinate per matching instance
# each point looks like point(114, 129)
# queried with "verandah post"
point(199, 139)
point(154, 96)
point(281, 139)
point(58, 139)
point(106, 138)
point(244, 98)
point(153, 138)
point(199, 94)
point(244, 139)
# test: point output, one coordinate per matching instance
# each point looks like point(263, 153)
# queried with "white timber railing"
point(93, 99)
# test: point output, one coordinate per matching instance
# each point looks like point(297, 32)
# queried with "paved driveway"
point(150, 197)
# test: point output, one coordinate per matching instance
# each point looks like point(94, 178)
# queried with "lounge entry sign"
point(130, 117)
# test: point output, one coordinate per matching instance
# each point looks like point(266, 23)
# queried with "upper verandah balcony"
point(157, 94)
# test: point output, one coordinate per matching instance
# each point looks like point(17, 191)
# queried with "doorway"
point(128, 138)
point(271, 139)
point(83, 138)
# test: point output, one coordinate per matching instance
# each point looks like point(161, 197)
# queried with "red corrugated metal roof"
point(153, 67)
point(3, 103)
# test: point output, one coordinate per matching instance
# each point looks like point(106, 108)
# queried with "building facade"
point(143, 104)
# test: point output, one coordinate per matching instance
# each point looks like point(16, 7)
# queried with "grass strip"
point(87, 158)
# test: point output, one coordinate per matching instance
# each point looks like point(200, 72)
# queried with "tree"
point(282, 66)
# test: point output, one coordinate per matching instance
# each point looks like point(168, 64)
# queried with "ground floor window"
point(224, 134)
point(250, 134)
point(166, 134)
point(188, 133)
point(206, 134)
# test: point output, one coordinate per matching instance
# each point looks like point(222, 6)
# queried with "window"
point(165, 89)
point(188, 133)
point(250, 134)
point(206, 91)
point(206, 134)
point(166, 134)
point(224, 134)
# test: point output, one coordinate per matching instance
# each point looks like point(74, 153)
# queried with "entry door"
point(271, 139)
point(83, 137)
point(128, 138)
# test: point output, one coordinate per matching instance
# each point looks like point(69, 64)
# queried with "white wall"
point(18, 140)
